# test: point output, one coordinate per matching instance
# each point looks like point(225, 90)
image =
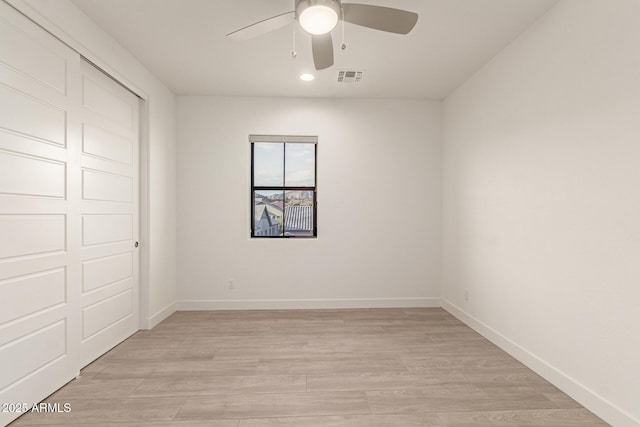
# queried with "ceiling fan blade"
point(322, 47)
point(264, 26)
point(380, 18)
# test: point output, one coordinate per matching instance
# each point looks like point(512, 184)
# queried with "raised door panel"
point(32, 117)
point(33, 293)
point(99, 96)
point(110, 187)
point(31, 176)
point(108, 270)
point(106, 313)
point(30, 353)
point(107, 228)
point(101, 143)
point(31, 235)
point(27, 55)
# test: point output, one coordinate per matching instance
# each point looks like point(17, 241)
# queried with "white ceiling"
point(183, 43)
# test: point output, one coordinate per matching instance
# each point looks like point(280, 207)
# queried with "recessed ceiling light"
point(306, 77)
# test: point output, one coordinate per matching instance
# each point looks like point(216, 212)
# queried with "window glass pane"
point(268, 164)
point(300, 165)
point(298, 213)
point(268, 213)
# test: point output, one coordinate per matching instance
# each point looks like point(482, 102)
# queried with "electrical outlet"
point(466, 294)
point(231, 285)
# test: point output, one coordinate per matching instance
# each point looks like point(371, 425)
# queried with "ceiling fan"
point(319, 17)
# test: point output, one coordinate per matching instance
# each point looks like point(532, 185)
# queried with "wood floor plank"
point(124, 371)
point(216, 385)
point(458, 399)
point(155, 423)
point(93, 368)
point(399, 420)
point(381, 381)
point(97, 389)
point(274, 405)
point(172, 368)
point(481, 362)
point(331, 365)
point(505, 377)
point(354, 367)
point(538, 417)
point(208, 423)
point(547, 417)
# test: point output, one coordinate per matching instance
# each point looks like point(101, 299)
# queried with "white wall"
point(158, 275)
point(162, 241)
point(378, 205)
point(541, 209)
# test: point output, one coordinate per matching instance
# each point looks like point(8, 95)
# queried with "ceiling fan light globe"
point(318, 17)
point(318, 20)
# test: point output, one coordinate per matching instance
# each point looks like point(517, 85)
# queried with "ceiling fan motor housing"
point(303, 6)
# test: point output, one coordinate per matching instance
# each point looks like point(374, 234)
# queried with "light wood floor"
point(365, 367)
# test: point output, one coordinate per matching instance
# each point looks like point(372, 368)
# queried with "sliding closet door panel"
point(40, 265)
point(109, 205)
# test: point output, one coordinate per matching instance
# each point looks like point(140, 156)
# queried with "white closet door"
point(109, 207)
point(68, 213)
point(39, 205)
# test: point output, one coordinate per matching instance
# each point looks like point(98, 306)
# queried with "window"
point(283, 186)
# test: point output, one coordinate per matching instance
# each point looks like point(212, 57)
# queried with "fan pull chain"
point(294, 54)
point(343, 46)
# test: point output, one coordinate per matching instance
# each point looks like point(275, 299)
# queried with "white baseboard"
point(152, 321)
point(306, 304)
point(583, 395)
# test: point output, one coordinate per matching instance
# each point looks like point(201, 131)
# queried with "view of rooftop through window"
point(283, 189)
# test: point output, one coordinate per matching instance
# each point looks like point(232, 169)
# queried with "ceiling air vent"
point(349, 76)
